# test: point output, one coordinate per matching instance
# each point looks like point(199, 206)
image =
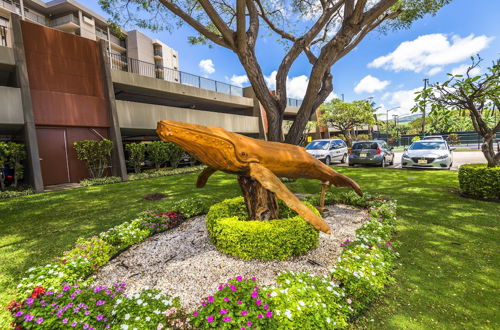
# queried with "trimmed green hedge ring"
point(478, 180)
point(278, 239)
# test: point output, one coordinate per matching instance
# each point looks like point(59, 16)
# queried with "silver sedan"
point(428, 154)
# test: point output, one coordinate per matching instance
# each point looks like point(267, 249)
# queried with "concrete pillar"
point(35, 171)
point(117, 157)
point(256, 110)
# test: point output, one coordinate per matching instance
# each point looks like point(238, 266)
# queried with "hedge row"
point(479, 180)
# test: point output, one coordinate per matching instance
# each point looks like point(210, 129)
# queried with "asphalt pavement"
point(459, 158)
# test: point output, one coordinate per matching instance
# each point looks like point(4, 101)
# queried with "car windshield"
point(364, 145)
point(428, 145)
point(318, 145)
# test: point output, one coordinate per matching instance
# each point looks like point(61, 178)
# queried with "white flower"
point(124, 326)
point(329, 288)
point(288, 314)
point(156, 312)
point(137, 318)
point(328, 320)
point(113, 312)
point(301, 303)
point(148, 319)
point(278, 312)
point(127, 316)
point(287, 281)
point(139, 301)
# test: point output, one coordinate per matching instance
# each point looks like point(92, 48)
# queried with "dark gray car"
point(373, 152)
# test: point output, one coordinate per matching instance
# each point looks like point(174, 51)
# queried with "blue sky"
point(386, 67)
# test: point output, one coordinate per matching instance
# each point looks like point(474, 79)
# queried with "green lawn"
point(449, 245)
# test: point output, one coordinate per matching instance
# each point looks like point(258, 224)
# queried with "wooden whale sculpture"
point(262, 160)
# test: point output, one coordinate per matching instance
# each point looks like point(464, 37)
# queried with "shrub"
point(95, 154)
point(100, 181)
point(347, 197)
point(11, 155)
point(157, 222)
point(415, 138)
point(125, 234)
point(479, 180)
point(276, 239)
point(453, 139)
point(96, 251)
point(192, 206)
point(362, 137)
point(158, 153)
point(175, 154)
point(15, 193)
point(136, 155)
point(156, 174)
point(90, 307)
point(238, 304)
point(305, 301)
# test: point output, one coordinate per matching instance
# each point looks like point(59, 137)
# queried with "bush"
point(95, 154)
point(125, 234)
point(238, 304)
point(156, 174)
point(136, 155)
point(479, 180)
point(192, 206)
point(415, 138)
point(157, 222)
point(453, 139)
point(279, 239)
point(100, 181)
point(175, 154)
point(15, 193)
point(96, 251)
point(11, 155)
point(158, 153)
point(362, 137)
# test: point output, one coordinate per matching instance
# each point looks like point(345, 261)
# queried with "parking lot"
point(459, 158)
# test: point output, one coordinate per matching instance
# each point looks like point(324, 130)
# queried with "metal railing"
point(293, 102)
point(70, 18)
point(35, 17)
point(123, 63)
point(9, 5)
point(114, 39)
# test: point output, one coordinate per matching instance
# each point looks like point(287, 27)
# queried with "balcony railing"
point(9, 5)
point(101, 34)
point(114, 39)
point(64, 20)
point(123, 63)
point(35, 17)
point(293, 102)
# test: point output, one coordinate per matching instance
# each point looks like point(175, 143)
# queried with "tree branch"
point(272, 26)
point(241, 21)
point(226, 32)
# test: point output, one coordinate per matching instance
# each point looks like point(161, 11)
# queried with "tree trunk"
point(488, 149)
point(347, 136)
point(261, 203)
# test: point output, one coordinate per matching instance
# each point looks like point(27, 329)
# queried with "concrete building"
point(65, 77)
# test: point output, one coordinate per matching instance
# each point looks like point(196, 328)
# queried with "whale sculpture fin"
point(272, 183)
point(340, 180)
point(203, 177)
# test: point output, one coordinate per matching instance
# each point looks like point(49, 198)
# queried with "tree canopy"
point(323, 30)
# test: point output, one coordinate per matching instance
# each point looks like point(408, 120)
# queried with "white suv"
point(328, 150)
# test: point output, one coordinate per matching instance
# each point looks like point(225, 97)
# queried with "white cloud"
point(295, 87)
point(434, 70)
point(370, 84)
point(207, 66)
point(239, 80)
point(404, 99)
point(462, 70)
point(431, 50)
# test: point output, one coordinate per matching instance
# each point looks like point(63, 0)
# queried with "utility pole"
point(426, 81)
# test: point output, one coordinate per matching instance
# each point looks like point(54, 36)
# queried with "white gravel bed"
point(182, 262)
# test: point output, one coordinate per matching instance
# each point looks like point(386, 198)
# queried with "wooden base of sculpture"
point(261, 203)
point(322, 207)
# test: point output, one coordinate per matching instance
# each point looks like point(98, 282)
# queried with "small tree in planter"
point(16, 153)
point(158, 153)
point(175, 154)
point(136, 155)
point(95, 154)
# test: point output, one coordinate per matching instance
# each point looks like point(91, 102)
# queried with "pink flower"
point(233, 288)
point(243, 313)
point(266, 306)
point(255, 294)
point(259, 315)
point(249, 323)
point(210, 299)
point(220, 287)
point(227, 319)
point(226, 299)
point(269, 314)
point(240, 302)
point(254, 279)
point(39, 320)
point(203, 303)
point(388, 244)
point(239, 278)
point(210, 319)
point(258, 302)
point(223, 311)
point(195, 314)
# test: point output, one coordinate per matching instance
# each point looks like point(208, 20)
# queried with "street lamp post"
point(387, 122)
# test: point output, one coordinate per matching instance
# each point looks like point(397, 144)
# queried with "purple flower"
point(243, 313)
point(39, 320)
point(29, 301)
point(269, 314)
point(240, 302)
point(66, 288)
point(233, 287)
point(86, 326)
point(266, 306)
point(258, 302)
point(254, 279)
point(65, 321)
point(100, 302)
point(99, 317)
point(249, 323)
point(210, 319)
point(195, 314)
point(203, 303)
point(388, 244)
point(210, 299)
point(223, 311)
point(239, 278)
point(19, 314)
point(87, 312)
point(226, 299)
point(255, 294)
point(259, 315)
point(220, 287)
point(28, 317)
point(227, 319)
point(74, 324)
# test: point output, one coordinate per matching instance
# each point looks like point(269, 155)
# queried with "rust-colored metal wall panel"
point(63, 109)
point(52, 150)
point(77, 169)
point(65, 76)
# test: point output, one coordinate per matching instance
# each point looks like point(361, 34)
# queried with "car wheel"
point(351, 164)
point(382, 164)
point(327, 160)
point(344, 158)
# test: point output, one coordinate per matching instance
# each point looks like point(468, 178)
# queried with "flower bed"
point(61, 293)
point(279, 239)
point(479, 180)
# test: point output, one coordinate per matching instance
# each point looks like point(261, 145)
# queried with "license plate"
point(422, 161)
point(363, 155)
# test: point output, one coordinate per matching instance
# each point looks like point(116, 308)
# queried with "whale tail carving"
point(340, 180)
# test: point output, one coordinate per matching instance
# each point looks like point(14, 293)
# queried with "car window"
point(428, 145)
point(318, 145)
point(364, 145)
